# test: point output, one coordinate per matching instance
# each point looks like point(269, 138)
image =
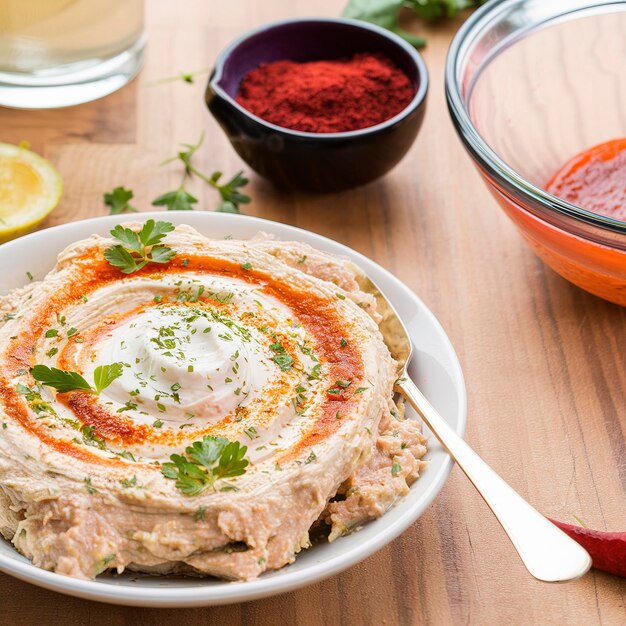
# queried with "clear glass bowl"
point(529, 84)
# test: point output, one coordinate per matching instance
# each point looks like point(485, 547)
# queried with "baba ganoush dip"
point(175, 404)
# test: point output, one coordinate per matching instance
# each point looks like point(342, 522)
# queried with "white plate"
point(435, 368)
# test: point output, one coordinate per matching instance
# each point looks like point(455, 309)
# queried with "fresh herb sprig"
point(64, 381)
point(181, 200)
point(385, 13)
point(137, 249)
point(118, 201)
point(205, 463)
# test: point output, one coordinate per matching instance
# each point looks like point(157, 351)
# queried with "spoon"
point(547, 552)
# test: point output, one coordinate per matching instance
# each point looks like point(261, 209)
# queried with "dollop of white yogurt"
point(181, 362)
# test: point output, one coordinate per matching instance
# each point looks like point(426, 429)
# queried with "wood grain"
point(544, 362)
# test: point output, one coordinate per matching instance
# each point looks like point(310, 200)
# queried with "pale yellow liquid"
point(50, 36)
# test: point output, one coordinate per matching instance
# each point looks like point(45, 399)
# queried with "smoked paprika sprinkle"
point(327, 96)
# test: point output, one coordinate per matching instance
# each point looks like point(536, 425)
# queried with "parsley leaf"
point(137, 249)
point(161, 254)
point(385, 13)
point(61, 380)
point(179, 200)
point(104, 375)
point(229, 192)
point(284, 361)
point(64, 381)
point(127, 237)
point(153, 232)
point(117, 201)
point(118, 256)
point(206, 462)
point(227, 207)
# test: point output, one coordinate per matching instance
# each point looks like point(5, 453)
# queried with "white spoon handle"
point(548, 553)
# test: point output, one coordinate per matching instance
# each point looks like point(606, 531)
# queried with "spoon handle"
point(547, 552)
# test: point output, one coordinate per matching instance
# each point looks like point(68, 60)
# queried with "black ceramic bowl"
point(315, 161)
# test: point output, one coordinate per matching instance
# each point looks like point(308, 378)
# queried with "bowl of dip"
point(319, 104)
point(537, 93)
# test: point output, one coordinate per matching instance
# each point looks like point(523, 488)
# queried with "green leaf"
point(153, 232)
point(207, 451)
point(104, 375)
point(117, 201)
point(132, 254)
point(385, 13)
point(207, 461)
point(230, 191)
point(179, 200)
point(284, 361)
point(60, 380)
point(161, 254)
point(227, 207)
point(127, 237)
point(232, 462)
point(433, 10)
point(118, 256)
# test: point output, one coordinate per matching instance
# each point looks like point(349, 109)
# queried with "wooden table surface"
point(543, 361)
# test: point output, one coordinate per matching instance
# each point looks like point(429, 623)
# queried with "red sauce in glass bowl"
point(595, 180)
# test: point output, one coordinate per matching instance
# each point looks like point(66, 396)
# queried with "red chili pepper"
point(607, 550)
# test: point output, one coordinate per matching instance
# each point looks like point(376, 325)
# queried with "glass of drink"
point(56, 53)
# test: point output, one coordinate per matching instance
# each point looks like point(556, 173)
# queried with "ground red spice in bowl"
point(330, 96)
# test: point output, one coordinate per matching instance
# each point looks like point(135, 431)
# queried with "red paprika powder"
point(327, 96)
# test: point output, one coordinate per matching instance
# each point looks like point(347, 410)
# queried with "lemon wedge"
point(29, 189)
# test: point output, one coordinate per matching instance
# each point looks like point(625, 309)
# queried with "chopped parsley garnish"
point(157, 423)
point(127, 483)
point(310, 458)
point(91, 439)
point(251, 432)
point(284, 361)
point(340, 296)
point(52, 332)
point(396, 468)
point(103, 563)
point(205, 463)
point(88, 486)
point(314, 374)
point(199, 515)
point(137, 249)
point(246, 266)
